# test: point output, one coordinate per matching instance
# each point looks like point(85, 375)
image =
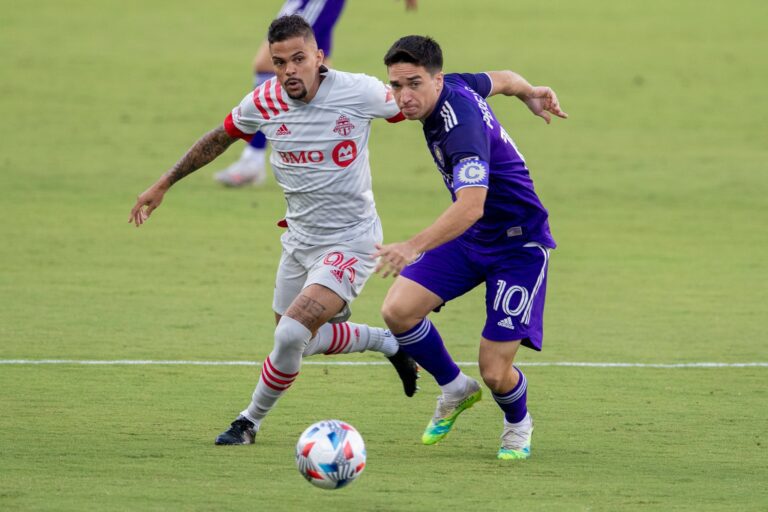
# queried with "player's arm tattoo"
point(204, 151)
point(306, 311)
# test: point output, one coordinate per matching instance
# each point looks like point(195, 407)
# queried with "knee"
point(396, 316)
point(498, 379)
point(291, 335)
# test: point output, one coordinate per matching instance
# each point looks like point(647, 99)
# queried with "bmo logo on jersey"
point(344, 153)
point(301, 157)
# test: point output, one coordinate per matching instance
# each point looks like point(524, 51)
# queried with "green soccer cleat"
point(447, 411)
point(516, 440)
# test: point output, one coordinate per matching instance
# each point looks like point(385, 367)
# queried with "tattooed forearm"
point(205, 150)
point(306, 311)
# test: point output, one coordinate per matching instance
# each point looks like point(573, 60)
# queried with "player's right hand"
point(543, 101)
point(146, 204)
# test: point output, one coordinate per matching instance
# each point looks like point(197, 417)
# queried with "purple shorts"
point(515, 285)
point(321, 14)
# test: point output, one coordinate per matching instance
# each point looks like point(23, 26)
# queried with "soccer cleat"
point(243, 172)
point(447, 411)
point(407, 369)
point(241, 431)
point(516, 440)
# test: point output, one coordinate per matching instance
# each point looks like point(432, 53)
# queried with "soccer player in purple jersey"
point(496, 232)
point(322, 15)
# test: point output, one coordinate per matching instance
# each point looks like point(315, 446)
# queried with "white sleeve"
point(378, 100)
point(244, 119)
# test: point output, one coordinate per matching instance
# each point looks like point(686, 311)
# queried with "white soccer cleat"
point(241, 173)
point(516, 440)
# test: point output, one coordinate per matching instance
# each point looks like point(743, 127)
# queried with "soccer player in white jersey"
point(322, 15)
point(318, 122)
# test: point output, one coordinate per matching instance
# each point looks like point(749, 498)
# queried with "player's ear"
point(320, 57)
point(438, 78)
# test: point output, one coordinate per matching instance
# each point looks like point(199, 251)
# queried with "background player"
point(322, 15)
point(496, 232)
point(318, 122)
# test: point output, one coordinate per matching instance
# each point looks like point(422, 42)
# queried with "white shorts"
point(342, 267)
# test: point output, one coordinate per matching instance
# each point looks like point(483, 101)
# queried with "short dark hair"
point(288, 27)
point(417, 50)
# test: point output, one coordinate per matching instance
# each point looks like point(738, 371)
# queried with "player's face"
point(297, 65)
point(416, 90)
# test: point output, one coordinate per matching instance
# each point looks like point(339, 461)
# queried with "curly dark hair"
point(288, 27)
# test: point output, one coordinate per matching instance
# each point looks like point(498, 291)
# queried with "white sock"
point(280, 368)
point(348, 337)
point(456, 387)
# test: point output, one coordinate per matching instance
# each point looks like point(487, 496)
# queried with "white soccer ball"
point(330, 454)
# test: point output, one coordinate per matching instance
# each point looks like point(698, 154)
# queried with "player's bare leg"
point(509, 388)
point(405, 311)
point(314, 306)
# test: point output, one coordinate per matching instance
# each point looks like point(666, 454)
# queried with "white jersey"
point(320, 151)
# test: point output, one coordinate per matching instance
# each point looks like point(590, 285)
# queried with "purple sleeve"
point(480, 82)
point(468, 138)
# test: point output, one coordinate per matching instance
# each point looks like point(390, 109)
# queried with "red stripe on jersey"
point(257, 102)
point(234, 131)
point(279, 96)
point(396, 118)
point(268, 97)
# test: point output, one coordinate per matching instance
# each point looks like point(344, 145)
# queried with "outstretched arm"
point(454, 221)
point(542, 101)
point(204, 151)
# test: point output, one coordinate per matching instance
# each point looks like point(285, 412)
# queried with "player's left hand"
point(393, 258)
point(543, 101)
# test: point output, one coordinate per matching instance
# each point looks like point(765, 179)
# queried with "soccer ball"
point(330, 454)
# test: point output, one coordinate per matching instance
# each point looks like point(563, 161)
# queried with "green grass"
point(655, 187)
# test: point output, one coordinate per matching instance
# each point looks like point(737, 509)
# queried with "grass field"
point(656, 189)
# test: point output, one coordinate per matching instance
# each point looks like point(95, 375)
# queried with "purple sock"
point(513, 403)
point(424, 344)
point(259, 141)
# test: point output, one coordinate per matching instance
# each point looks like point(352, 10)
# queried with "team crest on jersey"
point(438, 155)
point(471, 171)
point(343, 126)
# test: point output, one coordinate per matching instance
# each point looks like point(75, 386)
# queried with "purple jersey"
point(472, 149)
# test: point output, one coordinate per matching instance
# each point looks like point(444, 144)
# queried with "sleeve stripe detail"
point(279, 96)
point(478, 185)
point(257, 102)
point(396, 118)
point(491, 81)
point(234, 131)
point(268, 98)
